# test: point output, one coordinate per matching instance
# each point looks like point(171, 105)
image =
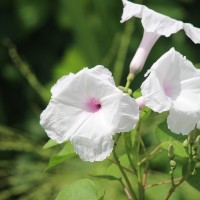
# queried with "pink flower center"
point(168, 90)
point(93, 105)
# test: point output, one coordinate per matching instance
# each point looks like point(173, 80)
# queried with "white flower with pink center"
point(173, 85)
point(88, 109)
point(155, 25)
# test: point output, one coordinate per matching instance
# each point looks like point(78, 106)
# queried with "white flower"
point(174, 85)
point(88, 109)
point(155, 25)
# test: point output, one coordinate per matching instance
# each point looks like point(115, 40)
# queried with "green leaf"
point(193, 180)
point(84, 189)
point(49, 144)
point(166, 137)
point(66, 153)
point(137, 93)
point(145, 113)
point(101, 195)
point(107, 177)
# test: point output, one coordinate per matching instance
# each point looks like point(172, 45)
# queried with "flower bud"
point(195, 145)
point(198, 139)
point(194, 172)
point(185, 143)
point(172, 164)
point(198, 153)
point(130, 91)
point(194, 157)
point(171, 151)
point(191, 137)
point(197, 166)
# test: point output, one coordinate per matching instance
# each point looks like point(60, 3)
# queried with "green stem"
point(162, 183)
point(128, 170)
point(174, 186)
point(124, 175)
point(139, 168)
point(125, 190)
point(128, 149)
point(156, 150)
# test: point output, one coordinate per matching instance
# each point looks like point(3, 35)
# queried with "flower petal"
point(192, 32)
point(102, 73)
point(131, 10)
point(93, 140)
point(152, 21)
point(120, 111)
point(154, 95)
point(61, 120)
point(84, 84)
point(160, 24)
point(56, 89)
point(183, 117)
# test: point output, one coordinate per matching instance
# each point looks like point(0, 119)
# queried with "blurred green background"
point(42, 40)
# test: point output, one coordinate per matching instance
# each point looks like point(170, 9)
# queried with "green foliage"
point(84, 189)
point(49, 144)
point(166, 138)
point(66, 153)
point(107, 177)
point(193, 179)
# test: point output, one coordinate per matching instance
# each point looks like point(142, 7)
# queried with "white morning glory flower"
point(88, 109)
point(174, 85)
point(155, 25)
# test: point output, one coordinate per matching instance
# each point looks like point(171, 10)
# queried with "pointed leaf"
point(49, 144)
point(66, 153)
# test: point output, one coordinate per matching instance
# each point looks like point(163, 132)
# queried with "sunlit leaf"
point(166, 137)
point(84, 189)
point(66, 153)
point(137, 93)
point(49, 144)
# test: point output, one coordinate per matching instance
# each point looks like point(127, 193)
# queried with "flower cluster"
point(88, 109)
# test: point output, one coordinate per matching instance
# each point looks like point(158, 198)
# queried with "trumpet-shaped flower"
point(88, 109)
point(174, 85)
point(155, 25)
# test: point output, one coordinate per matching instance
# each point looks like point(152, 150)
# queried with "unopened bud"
point(185, 143)
point(197, 166)
point(191, 137)
point(198, 153)
point(194, 157)
point(194, 172)
point(198, 139)
point(195, 145)
point(171, 151)
point(172, 164)
point(130, 91)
